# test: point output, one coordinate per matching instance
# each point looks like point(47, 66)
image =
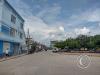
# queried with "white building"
point(12, 34)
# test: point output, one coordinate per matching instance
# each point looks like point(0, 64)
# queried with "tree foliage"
point(82, 41)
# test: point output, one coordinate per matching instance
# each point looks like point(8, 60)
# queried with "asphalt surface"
point(48, 63)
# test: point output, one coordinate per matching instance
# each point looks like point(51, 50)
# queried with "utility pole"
point(28, 41)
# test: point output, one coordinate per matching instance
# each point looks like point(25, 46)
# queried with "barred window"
point(13, 19)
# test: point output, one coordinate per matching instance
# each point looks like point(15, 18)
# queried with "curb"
point(89, 54)
point(13, 57)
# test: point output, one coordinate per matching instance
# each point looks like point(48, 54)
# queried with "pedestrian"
point(7, 52)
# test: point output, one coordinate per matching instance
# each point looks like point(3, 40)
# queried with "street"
point(48, 63)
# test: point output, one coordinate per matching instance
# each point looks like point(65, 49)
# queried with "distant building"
point(52, 43)
point(12, 34)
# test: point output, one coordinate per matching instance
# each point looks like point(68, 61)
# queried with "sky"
point(59, 19)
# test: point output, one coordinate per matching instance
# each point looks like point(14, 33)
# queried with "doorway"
point(6, 45)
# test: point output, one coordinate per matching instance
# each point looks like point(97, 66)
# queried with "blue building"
point(12, 34)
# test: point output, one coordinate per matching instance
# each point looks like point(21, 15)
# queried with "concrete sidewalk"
point(11, 57)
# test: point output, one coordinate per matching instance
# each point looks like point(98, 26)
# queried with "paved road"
point(47, 63)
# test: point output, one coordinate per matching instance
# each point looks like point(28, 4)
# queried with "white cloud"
point(99, 24)
point(82, 31)
point(40, 31)
point(77, 21)
point(61, 28)
point(50, 14)
point(91, 15)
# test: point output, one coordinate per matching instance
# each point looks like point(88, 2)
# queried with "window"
point(12, 32)
point(5, 30)
point(13, 19)
point(21, 25)
point(21, 35)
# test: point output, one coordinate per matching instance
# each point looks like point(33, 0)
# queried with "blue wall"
point(12, 45)
point(1, 48)
point(11, 48)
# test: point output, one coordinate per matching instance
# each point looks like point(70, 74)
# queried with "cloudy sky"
point(59, 19)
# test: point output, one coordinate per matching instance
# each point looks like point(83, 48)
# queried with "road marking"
point(83, 61)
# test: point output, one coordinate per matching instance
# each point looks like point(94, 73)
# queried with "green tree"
point(82, 41)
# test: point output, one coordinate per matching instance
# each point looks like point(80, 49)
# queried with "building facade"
point(12, 36)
